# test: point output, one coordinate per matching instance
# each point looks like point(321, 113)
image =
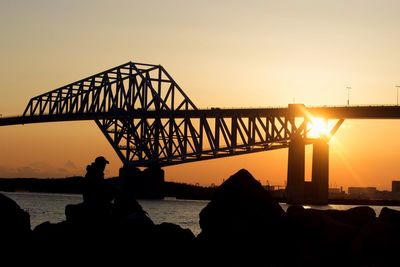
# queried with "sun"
point(318, 127)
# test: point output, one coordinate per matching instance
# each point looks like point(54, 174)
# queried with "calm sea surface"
point(50, 207)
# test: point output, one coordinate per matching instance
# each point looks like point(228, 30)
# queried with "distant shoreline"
point(73, 185)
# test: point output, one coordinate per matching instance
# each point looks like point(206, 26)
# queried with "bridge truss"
point(147, 118)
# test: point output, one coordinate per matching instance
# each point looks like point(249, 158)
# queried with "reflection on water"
point(182, 212)
point(50, 207)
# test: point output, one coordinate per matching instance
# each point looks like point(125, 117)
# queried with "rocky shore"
point(241, 226)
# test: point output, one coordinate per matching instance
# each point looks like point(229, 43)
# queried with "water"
point(44, 207)
point(50, 207)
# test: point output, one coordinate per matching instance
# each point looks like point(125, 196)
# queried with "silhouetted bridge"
point(149, 120)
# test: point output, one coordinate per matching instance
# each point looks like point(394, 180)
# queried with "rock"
point(357, 216)
point(315, 220)
point(326, 232)
point(82, 213)
point(174, 244)
point(390, 215)
point(50, 235)
point(127, 207)
point(70, 242)
point(240, 208)
point(76, 213)
point(14, 222)
point(377, 244)
point(241, 219)
point(169, 233)
point(15, 232)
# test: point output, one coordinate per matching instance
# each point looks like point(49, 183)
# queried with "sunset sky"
point(223, 54)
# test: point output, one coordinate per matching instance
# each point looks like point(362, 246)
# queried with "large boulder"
point(378, 242)
point(242, 224)
point(15, 231)
point(357, 216)
point(240, 209)
point(390, 215)
point(14, 222)
point(169, 233)
point(325, 232)
point(314, 219)
point(83, 213)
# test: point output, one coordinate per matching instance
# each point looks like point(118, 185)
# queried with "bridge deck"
point(345, 112)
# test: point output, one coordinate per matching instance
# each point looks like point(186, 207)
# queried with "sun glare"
point(318, 128)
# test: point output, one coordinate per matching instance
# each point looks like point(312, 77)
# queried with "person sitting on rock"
point(96, 194)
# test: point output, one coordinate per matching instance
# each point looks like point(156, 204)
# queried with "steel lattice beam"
point(147, 118)
point(169, 141)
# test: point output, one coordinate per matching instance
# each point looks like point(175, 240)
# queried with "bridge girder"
point(169, 141)
point(147, 118)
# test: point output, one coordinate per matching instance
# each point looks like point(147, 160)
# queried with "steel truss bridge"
point(147, 118)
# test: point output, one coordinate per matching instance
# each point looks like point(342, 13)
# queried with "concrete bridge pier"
point(299, 191)
point(295, 178)
point(320, 172)
point(142, 184)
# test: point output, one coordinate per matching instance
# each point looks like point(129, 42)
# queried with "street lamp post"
point(397, 86)
point(348, 95)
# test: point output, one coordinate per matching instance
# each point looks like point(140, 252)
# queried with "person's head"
point(101, 162)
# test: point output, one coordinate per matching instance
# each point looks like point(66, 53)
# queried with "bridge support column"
point(320, 172)
point(295, 178)
point(146, 184)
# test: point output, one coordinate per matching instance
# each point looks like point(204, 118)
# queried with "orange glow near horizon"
point(245, 54)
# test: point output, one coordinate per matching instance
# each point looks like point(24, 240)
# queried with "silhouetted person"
point(96, 194)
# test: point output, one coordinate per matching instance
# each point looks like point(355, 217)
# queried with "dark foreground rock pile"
point(15, 226)
point(241, 226)
point(242, 221)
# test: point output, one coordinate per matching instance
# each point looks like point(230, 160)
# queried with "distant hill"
point(74, 185)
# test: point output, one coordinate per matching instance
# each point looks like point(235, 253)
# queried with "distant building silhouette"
point(362, 192)
point(336, 193)
point(396, 186)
